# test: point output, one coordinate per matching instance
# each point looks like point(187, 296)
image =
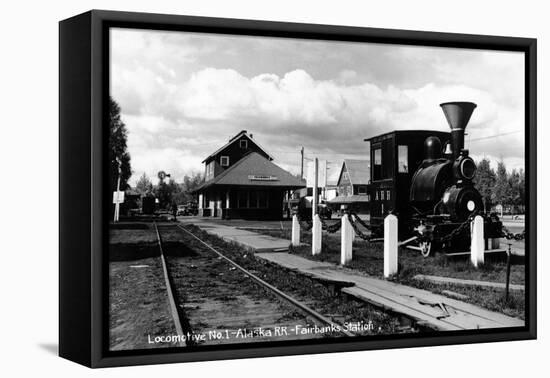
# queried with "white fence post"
point(347, 235)
point(390, 245)
point(295, 241)
point(316, 235)
point(477, 247)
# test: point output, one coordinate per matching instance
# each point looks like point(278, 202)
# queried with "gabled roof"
point(255, 170)
point(358, 171)
point(232, 140)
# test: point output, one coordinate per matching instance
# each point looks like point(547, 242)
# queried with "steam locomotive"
point(426, 179)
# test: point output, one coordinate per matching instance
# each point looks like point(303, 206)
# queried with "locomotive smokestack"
point(458, 114)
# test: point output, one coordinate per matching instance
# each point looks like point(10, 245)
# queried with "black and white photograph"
point(285, 191)
point(210, 188)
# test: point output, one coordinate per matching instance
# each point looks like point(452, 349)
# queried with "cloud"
point(183, 95)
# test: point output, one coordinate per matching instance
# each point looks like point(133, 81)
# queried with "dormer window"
point(224, 161)
point(243, 143)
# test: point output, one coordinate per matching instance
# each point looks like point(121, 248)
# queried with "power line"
point(494, 136)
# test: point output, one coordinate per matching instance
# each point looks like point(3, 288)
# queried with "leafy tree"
point(190, 183)
point(521, 186)
point(500, 187)
point(516, 181)
point(164, 191)
point(169, 192)
point(118, 149)
point(503, 190)
point(485, 181)
point(144, 185)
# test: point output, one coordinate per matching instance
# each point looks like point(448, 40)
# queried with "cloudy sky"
point(183, 95)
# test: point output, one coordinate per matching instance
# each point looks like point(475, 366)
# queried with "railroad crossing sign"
point(118, 197)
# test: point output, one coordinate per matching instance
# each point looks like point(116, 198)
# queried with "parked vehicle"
point(301, 202)
point(187, 209)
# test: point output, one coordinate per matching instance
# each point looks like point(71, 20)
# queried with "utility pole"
point(117, 202)
point(315, 201)
point(302, 168)
point(325, 180)
point(316, 229)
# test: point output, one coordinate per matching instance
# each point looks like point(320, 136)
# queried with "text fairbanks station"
point(241, 181)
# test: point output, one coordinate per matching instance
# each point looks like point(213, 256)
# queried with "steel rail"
point(170, 290)
point(305, 309)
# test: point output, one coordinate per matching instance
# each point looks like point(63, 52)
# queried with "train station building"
point(242, 182)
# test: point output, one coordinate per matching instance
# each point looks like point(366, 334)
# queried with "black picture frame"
point(84, 199)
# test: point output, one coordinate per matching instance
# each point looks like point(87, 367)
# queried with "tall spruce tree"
point(485, 181)
point(144, 185)
point(118, 149)
point(502, 190)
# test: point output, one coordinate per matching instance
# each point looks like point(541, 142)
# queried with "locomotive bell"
point(458, 115)
point(448, 149)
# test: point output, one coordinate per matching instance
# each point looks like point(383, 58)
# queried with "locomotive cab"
point(395, 157)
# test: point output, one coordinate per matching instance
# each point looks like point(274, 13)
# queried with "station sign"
point(262, 178)
point(321, 174)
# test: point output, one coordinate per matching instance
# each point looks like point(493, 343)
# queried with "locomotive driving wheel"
point(425, 248)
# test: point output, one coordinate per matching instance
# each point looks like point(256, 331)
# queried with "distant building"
point(353, 185)
point(354, 178)
point(241, 181)
point(324, 180)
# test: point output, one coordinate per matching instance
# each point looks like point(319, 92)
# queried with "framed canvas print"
point(234, 188)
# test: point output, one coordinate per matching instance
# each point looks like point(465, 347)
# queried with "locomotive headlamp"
point(464, 167)
point(467, 168)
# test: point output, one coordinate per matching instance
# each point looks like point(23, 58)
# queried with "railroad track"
point(206, 297)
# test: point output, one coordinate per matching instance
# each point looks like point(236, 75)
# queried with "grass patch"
point(369, 258)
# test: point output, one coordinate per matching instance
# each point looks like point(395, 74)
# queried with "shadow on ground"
point(51, 348)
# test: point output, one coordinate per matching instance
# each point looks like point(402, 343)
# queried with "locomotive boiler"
point(443, 181)
point(426, 179)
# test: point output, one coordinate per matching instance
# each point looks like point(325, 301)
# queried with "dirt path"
point(138, 302)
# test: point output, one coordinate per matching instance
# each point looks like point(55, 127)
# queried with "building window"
point(262, 200)
point(242, 199)
point(224, 161)
point(243, 143)
point(253, 199)
point(362, 189)
point(388, 195)
point(403, 159)
point(376, 195)
point(382, 195)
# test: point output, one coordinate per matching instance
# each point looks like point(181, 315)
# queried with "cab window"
point(403, 159)
point(377, 166)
